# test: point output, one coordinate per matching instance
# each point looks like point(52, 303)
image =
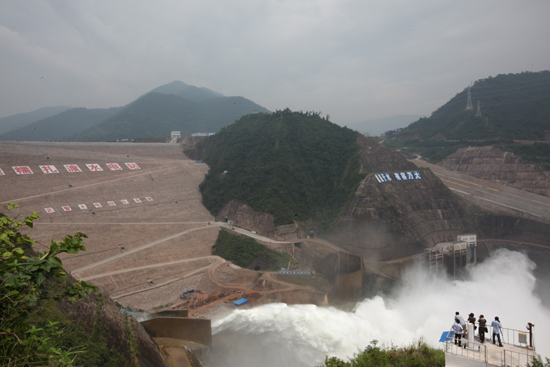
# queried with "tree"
point(28, 278)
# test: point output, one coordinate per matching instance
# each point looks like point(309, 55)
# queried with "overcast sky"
point(355, 60)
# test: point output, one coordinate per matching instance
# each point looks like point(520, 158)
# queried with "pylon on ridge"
point(469, 105)
point(478, 112)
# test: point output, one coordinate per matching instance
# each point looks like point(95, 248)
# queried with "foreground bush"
point(417, 354)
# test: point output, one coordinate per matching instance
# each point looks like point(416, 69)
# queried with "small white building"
point(176, 134)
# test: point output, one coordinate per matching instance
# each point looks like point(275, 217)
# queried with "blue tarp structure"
point(240, 302)
point(446, 335)
point(128, 312)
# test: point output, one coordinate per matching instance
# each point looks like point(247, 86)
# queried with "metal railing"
point(516, 359)
point(515, 337)
point(473, 350)
point(478, 351)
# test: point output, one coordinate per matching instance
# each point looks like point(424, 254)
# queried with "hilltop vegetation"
point(293, 165)
point(513, 106)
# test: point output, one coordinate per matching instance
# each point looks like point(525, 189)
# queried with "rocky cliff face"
point(123, 333)
point(491, 163)
point(398, 218)
point(244, 216)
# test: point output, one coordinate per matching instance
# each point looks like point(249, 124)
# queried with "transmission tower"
point(469, 105)
point(478, 112)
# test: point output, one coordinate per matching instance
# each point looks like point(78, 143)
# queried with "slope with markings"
point(173, 223)
point(142, 252)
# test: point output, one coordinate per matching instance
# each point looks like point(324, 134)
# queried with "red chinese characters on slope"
point(67, 208)
point(22, 170)
point(49, 169)
point(94, 167)
point(114, 167)
point(132, 166)
point(71, 168)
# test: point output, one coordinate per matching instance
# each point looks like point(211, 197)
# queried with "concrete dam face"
point(422, 307)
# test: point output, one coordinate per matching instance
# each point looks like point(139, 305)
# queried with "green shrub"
point(243, 250)
point(418, 354)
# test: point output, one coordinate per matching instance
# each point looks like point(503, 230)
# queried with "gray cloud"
point(355, 60)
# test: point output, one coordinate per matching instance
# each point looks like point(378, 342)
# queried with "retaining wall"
point(195, 330)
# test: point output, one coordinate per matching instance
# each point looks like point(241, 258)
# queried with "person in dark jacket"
point(482, 327)
point(472, 320)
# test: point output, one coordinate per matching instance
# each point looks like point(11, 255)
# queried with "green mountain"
point(174, 106)
point(186, 91)
point(513, 106)
point(293, 165)
point(62, 126)
point(21, 119)
point(157, 114)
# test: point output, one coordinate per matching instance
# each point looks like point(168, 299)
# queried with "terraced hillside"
point(400, 217)
point(493, 164)
point(154, 212)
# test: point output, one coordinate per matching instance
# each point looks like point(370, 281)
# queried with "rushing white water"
point(423, 307)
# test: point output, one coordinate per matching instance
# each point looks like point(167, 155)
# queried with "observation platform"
point(515, 352)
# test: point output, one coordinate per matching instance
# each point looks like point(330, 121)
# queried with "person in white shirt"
point(496, 325)
point(458, 332)
point(461, 321)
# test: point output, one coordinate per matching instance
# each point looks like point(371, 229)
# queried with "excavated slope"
point(398, 218)
point(491, 163)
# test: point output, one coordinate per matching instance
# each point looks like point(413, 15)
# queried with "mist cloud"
point(423, 307)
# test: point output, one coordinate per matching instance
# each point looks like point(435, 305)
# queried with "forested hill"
point(173, 106)
point(186, 91)
point(293, 165)
point(514, 106)
point(62, 126)
point(21, 119)
point(157, 114)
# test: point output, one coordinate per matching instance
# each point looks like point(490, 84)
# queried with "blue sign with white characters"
point(399, 176)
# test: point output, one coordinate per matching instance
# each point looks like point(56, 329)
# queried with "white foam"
point(423, 307)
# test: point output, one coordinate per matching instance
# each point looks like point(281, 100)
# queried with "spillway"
point(422, 307)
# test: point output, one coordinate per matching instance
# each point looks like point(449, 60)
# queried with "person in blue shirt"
point(496, 325)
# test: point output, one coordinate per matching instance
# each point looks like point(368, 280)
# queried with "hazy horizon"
point(353, 60)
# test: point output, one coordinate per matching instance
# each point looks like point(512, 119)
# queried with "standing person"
point(461, 321)
point(496, 325)
point(472, 320)
point(482, 328)
point(458, 332)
